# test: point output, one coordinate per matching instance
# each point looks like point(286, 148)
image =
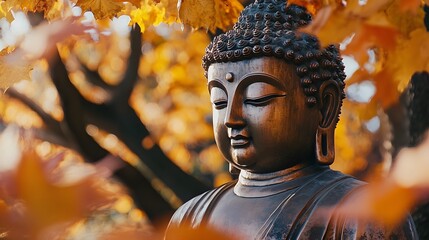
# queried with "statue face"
point(260, 119)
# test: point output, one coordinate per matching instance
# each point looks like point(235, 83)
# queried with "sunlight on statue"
point(276, 96)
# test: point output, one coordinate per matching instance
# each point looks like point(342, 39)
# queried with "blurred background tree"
point(135, 101)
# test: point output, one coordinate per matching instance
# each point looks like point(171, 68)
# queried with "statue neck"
point(267, 184)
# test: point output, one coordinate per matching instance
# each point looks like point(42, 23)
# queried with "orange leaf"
point(209, 14)
point(369, 36)
point(406, 22)
point(369, 8)
point(311, 5)
point(101, 8)
point(409, 5)
point(360, 75)
point(319, 21)
point(386, 203)
point(387, 91)
point(134, 2)
point(47, 203)
point(409, 56)
point(338, 27)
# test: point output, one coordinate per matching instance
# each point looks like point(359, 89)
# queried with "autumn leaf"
point(319, 21)
point(171, 11)
point(384, 203)
point(36, 194)
point(409, 5)
point(311, 5)
point(197, 13)
point(371, 36)
point(11, 72)
point(389, 201)
point(44, 5)
point(134, 2)
point(46, 200)
point(27, 5)
point(147, 15)
point(408, 57)
point(405, 22)
point(387, 91)
point(358, 76)
point(101, 8)
point(338, 27)
point(5, 10)
point(46, 35)
point(367, 9)
point(209, 14)
point(314, 6)
point(226, 13)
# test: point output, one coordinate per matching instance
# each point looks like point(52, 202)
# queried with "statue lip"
point(239, 141)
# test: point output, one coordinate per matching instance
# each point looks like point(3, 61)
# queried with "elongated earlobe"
point(325, 148)
point(330, 104)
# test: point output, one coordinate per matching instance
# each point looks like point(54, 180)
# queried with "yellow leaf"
point(351, 141)
point(366, 111)
point(44, 5)
point(408, 57)
point(406, 22)
point(227, 12)
point(134, 2)
point(101, 8)
point(197, 13)
point(11, 73)
point(148, 14)
point(171, 12)
point(5, 7)
point(209, 14)
point(26, 5)
point(338, 27)
point(55, 10)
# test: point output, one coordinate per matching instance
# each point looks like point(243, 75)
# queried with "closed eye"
point(260, 101)
point(220, 104)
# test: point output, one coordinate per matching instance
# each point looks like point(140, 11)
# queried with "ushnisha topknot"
point(270, 28)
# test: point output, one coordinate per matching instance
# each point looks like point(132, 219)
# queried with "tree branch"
point(72, 102)
point(52, 124)
point(124, 89)
point(94, 78)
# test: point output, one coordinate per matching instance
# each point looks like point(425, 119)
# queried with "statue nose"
point(234, 116)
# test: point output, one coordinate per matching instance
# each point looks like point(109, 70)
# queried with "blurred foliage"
point(385, 39)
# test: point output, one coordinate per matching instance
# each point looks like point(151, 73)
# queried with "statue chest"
point(244, 217)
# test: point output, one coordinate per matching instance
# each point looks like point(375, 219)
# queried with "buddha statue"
point(276, 96)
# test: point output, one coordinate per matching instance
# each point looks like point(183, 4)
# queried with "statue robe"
point(300, 206)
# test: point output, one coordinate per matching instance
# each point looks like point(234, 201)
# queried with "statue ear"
point(329, 106)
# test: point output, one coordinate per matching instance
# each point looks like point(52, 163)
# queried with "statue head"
point(276, 92)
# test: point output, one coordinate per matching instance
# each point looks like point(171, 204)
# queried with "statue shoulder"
point(346, 227)
point(354, 229)
point(194, 212)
